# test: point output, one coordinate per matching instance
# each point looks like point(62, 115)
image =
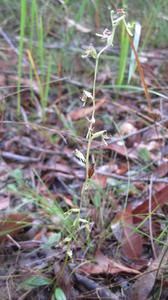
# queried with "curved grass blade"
point(136, 40)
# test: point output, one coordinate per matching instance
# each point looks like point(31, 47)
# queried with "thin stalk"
point(90, 138)
point(109, 36)
point(94, 82)
point(87, 154)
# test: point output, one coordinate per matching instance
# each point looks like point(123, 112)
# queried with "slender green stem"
point(92, 121)
point(93, 118)
point(94, 83)
point(94, 87)
point(87, 155)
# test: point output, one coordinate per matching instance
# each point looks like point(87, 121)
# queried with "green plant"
point(45, 72)
point(22, 30)
point(132, 65)
point(124, 45)
point(44, 78)
point(77, 18)
point(58, 294)
point(36, 281)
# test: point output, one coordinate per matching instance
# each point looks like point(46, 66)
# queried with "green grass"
point(45, 72)
point(150, 16)
point(22, 31)
point(77, 18)
point(124, 46)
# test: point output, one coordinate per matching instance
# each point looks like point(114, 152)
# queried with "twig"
point(25, 142)
point(163, 135)
point(150, 217)
point(13, 241)
point(142, 130)
point(36, 127)
point(19, 158)
point(8, 290)
point(24, 295)
point(25, 118)
point(2, 114)
point(126, 178)
point(10, 43)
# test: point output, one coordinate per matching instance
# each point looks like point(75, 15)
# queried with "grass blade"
point(77, 19)
point(124, 45)
point(140, 70)
point(32, 21)
point(47, 84)
point(136, 40)
point(22, 29)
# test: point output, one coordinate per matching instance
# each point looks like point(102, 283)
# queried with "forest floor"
point(113, 242)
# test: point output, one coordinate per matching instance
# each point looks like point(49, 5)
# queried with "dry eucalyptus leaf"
point(144, 284)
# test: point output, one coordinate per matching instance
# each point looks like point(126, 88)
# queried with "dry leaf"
point(161, 171)
point(12, 224)
point(84, 112)
point(123, 228)
point(144, 284)
point(91, 170)
point(67, 200)
point(105, 265)
point(158, 200)
point(131, 240)
point(4, 202)
point(122, 150)
point(100, 180)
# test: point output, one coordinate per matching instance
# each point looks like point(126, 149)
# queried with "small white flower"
point(79, 155)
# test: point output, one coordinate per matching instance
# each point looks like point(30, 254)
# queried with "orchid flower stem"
point(90, 134)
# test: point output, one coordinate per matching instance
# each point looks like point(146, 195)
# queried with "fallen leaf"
point(131, 244)
point(112, 167)
point(144, 284)
point(161, 171)
point(100, 180)
point(12, 224)
point(122, 150)
point(84, 112)
point(142, 287)
point(158, 200)
point(138, 263)
point(4, 202)
point(67, 199)
point(124, 230)
point(105, 265)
